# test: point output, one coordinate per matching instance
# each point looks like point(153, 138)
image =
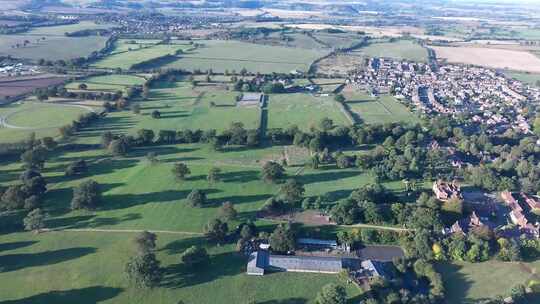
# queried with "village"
point(493, 100)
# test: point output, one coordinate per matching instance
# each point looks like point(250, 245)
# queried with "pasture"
point(492, 58)
point(382, 109)
point(235, 55)
point(56, 45)
point(125, 59)
point(107, 83)
point(528, 78)
point(303, 110)
point(401, 49)
point(467, 282)
point(87, 267)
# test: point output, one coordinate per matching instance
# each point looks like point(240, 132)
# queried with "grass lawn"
point(126, 59)
point(303, 110)
point(401, 49)
point(383, 109)
point(528, 78)
point(107, 83)
point(43, 119)
point(466, 282)
point(234, 55)
point(125, 45)
point(69, 267)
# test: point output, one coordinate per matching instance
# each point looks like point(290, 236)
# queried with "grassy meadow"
point(234, 55)
point(124, 60)
point(382, 109)
point(56, 45)
point(107, 83)
point(303, 110)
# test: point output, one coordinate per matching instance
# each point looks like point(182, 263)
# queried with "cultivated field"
point(378, 110)
point(234, 55)
point(401, 49)
point(12, 87)
point(303, 110)
point(492, 58)
point(55, 46)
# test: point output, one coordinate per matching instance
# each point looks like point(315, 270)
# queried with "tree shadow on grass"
point(286, 301)
point(122, 201)
point(88, 295)
point(179, 246)
point(240, 177)
point(220, 265)
point(237, 199)
point(58, 200)
point(15, 245)
point(455, 283)
point(326, 176)
point(160, 150)
point(13, 262)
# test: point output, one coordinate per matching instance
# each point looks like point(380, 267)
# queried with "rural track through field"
point(122, 231)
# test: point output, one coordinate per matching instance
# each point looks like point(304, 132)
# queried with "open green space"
point(303, 110)
point(528, 78)
point(221, 55)
point(125, 45)
point(125, 60)
point(35, 117)
point(107, 82)
point(470, 282)
point(401, 49)
point(87, 267)
point(55, 46)
point(382, 109)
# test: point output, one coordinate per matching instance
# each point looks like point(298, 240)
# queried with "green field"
point(382, 109)
point(55, 46)
point(107, 83)
point(303, 110)
point(124, 60)
point(401, 49)
point(466, 282)
point(234, 55)
point(69, 267)
point(528, 78)
point(40, 118)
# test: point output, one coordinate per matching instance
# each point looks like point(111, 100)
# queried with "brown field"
point(18, 87)
point(339, 64)
point(488, 57)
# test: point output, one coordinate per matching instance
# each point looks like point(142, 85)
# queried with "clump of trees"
point(87, 195)
point(216, 230)
point(283, 239)
point(143, 269)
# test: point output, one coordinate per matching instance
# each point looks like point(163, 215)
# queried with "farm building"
point(261, 261)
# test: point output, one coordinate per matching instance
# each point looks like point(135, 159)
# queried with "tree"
point(227, 211)
point(106, 139)
point(86, 195)
point(34, 158)
point(339, 98)
point(146, 136)
point(136, 109)
point(49, 143)
point(272, 172)
point(144, 270)
point(216, 230)
point(180, 170)
point(292, 191)
point(283, 239)
point(83, 86)
point(145, 242)
point(326, 124)
point(214, 175)
point(13, 198)
point(156, 114)
point(118, 147)
point(34, 220)
point(194, 256)
point(196, 198)
point(76, 168)
point(332, 294)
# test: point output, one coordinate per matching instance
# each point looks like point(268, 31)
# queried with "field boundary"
point(121, 231)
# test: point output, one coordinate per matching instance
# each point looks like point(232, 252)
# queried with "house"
point(533, 204)
point(372, 269)
point(446, 191)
